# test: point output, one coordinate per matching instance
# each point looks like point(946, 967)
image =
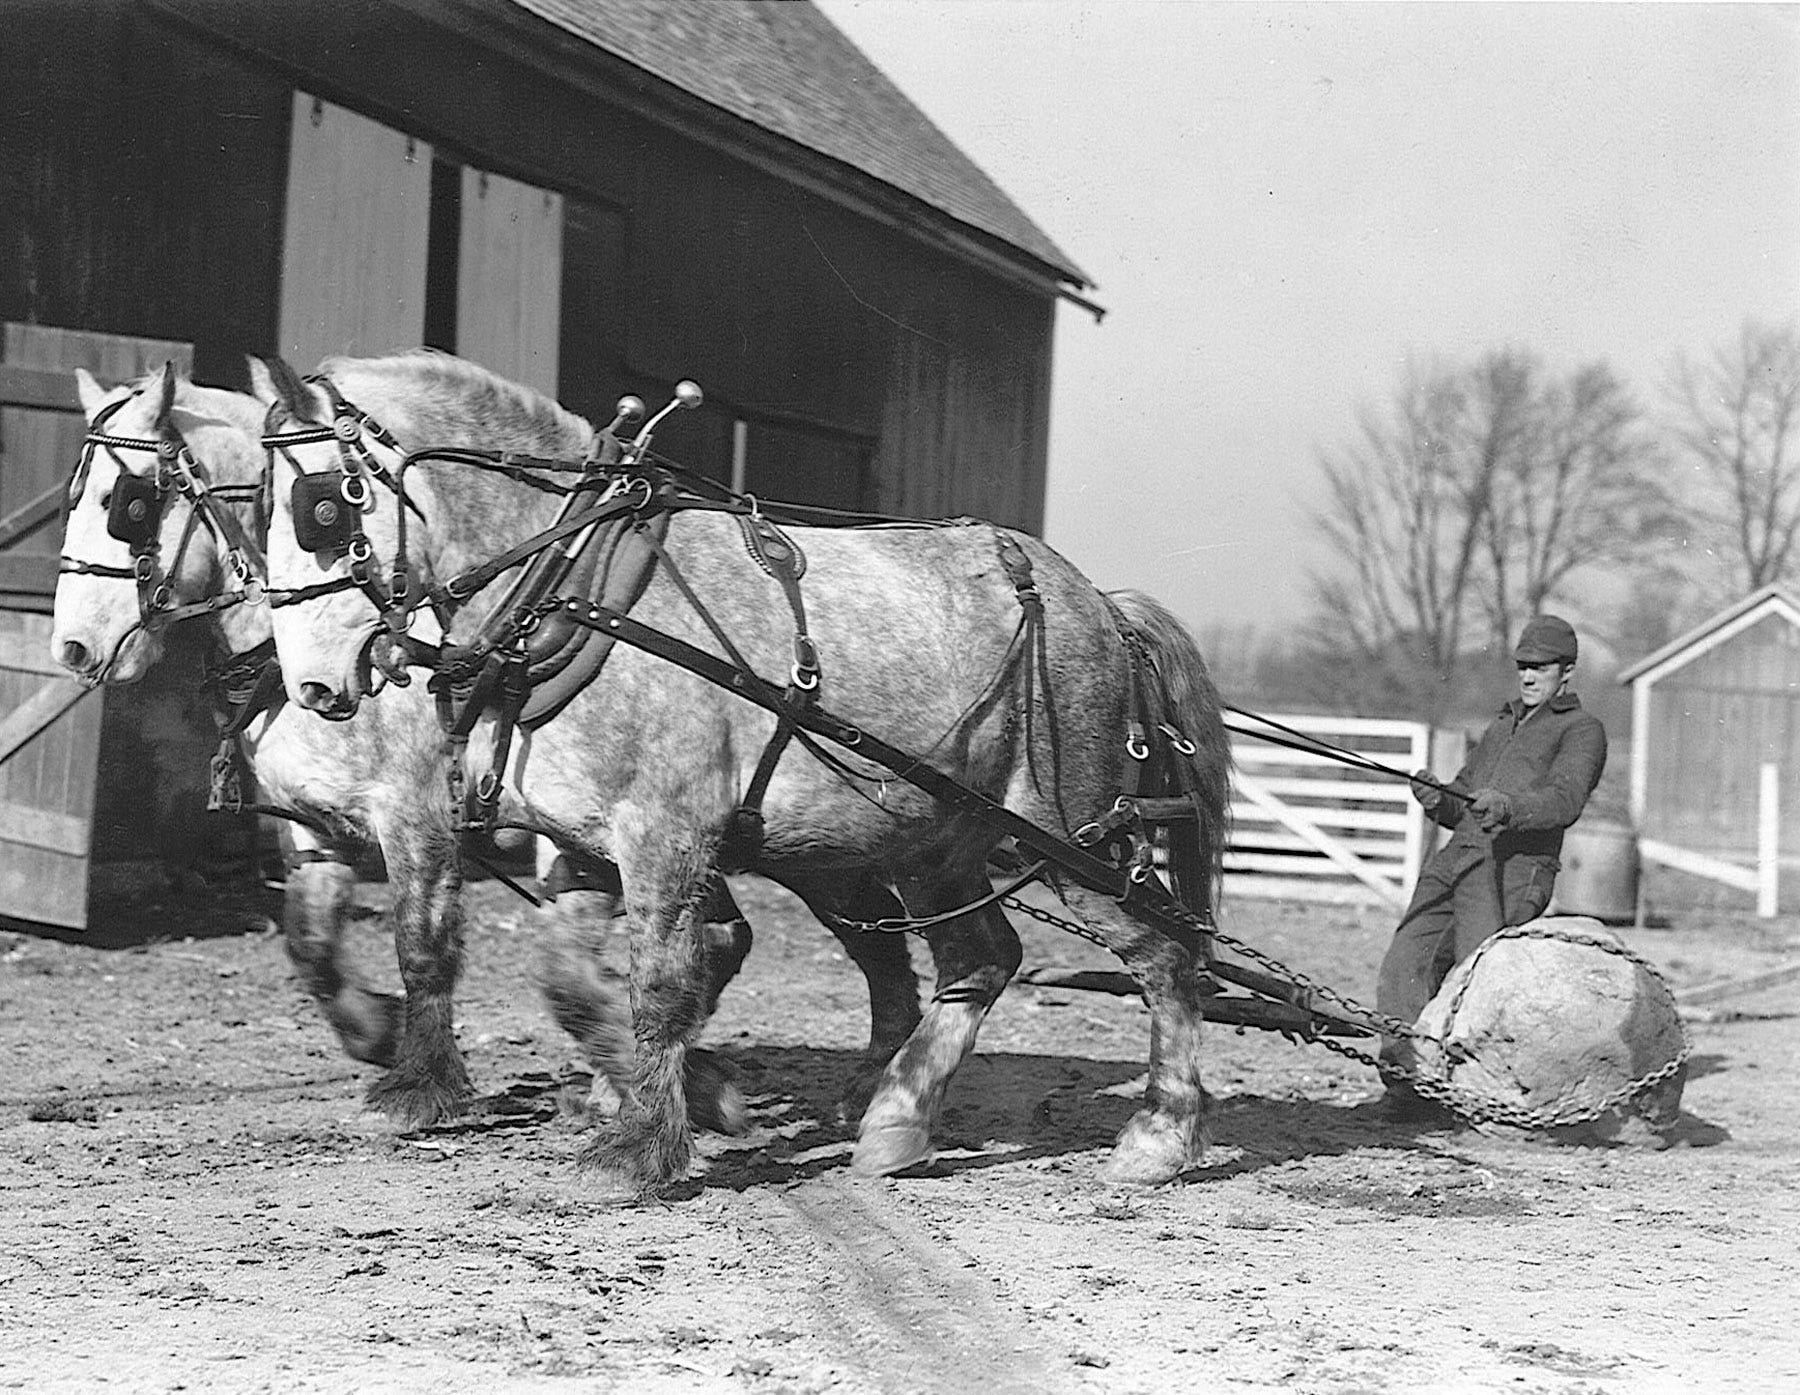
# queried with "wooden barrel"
point(1599, 874)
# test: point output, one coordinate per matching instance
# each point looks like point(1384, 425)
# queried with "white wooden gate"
point(1309, 827)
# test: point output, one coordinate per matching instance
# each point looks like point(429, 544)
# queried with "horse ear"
point(168, 391)
point(93, 396)
point(262, 385)
point(274, 380)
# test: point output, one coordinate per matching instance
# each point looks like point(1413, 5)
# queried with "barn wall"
point(1713, 723)
point(141, 180)
point(856, 341)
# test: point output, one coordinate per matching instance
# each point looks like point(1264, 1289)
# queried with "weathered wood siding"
point(142, 172)
point(1713, 723)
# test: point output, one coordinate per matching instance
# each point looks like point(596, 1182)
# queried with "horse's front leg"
point(590, 999)
point(667, 894)
point(976, 955)
point(429, 1081)
point(316, 907)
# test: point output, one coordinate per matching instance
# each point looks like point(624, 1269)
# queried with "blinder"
point(135, 512)
point(325, 520)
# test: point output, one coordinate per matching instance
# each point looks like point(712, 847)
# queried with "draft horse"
point(966, 654)
point(166, 524)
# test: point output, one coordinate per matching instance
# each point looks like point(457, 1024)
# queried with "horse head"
point(157, 525)
point(358, 536)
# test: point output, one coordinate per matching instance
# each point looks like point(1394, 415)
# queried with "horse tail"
point(1195, 709)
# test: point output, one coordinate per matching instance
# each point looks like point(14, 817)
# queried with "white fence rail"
point(1309, 827)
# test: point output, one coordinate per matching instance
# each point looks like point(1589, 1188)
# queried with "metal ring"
point(806, 680)
point(1136, 748)
point(346, 428)
point(356, 497)
point(143, 566)
point(359, 549)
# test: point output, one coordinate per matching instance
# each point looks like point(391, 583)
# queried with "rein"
point(489, 674)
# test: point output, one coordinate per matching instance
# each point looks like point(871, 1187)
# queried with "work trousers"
point(1464, 895)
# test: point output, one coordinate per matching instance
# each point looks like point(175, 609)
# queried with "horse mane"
point(430, 398)
point(466, 402)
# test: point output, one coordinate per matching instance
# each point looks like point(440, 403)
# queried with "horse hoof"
point(889, 1148)
point(368, 1025)
point(713, 1097)
point(604, 1099)
point(415, 1103)
point(1151, 1150)
point(724, 1111)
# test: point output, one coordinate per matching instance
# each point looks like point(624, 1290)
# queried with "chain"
point(1478, 1109)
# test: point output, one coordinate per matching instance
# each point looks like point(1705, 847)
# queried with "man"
point(1526, 781)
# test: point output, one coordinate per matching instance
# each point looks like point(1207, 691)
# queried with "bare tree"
point(1578, 484)
point(1406, 502)
point(1737, 421)
point(1469, 506)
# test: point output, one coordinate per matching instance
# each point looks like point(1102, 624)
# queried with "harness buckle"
point(346, 427)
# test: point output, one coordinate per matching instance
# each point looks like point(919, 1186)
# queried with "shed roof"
point(787, 69)
point(1712, 632)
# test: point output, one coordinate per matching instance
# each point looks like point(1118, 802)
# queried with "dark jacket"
point(1547, 763)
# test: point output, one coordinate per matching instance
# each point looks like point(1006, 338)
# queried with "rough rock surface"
point(1556, 1014)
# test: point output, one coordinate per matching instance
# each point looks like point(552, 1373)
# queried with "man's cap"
point(1545, 639)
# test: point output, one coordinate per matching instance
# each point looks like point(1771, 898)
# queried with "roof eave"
point(1714, 630)
point(602, 75)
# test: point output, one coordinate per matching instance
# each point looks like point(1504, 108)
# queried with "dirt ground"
point(191, 1197)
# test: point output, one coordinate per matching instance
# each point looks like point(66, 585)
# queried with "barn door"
point(354, 241)
point(49, 723)
point(509, 278)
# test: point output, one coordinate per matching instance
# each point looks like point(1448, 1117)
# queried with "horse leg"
point(314, 912)
point(1168, 1135)
point(590, 1001)
point(667, 891)
point(886, 966)
point(975, 955)
point(429, 1081)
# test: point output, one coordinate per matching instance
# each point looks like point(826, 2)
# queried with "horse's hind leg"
point(976, 955)
point(887, 968)
point(428, 1081)
point(1168, 1135)
point(314, 911)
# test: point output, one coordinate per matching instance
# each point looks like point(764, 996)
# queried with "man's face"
point(1538, 683)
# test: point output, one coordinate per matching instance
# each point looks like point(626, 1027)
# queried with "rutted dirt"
point(193, 1198)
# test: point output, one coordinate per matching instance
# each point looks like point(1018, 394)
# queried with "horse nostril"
point(316, 697)
point(75, 657)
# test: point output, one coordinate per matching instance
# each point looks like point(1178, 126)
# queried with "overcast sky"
point(1282, 203)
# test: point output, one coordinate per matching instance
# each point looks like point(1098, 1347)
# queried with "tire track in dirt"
point(904, 1310)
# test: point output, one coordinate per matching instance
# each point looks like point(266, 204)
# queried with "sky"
point(1285, 205)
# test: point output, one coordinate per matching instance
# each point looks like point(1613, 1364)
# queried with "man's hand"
point(1428, 794)
point(1492, 808)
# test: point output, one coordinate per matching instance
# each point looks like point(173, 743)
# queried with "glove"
point(1428, 795)
point(1492, 808)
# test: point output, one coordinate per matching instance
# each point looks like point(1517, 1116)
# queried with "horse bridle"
point(134, 517)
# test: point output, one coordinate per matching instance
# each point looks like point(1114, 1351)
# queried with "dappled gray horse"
point(165, 523)
point(917, 634)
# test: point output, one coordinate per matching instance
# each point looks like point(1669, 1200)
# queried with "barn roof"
point(788, 70)
point(1712, 632)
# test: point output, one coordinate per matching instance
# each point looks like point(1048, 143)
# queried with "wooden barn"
point(591, 196)
point(1715, 750)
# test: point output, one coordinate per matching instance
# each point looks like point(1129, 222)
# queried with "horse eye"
point(106, 498)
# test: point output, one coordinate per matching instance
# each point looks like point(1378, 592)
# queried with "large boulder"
point(1554, 1017)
